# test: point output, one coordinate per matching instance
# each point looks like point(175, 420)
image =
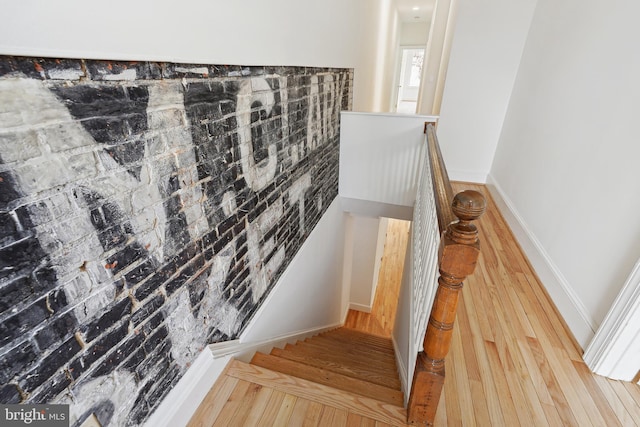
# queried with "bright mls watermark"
point(34, 415)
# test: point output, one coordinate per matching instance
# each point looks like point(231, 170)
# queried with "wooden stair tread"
point(356, 335)
point(350, 342)
point(360, 337)
point(368, 373)
point(328, 378)
point(380, 364)
point(348, 359)
point(384, 370)
point(386, 365)
point(384, 412)
point(354, 348)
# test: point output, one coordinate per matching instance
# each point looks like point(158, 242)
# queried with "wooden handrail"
point(458, 254)
point(441, 185)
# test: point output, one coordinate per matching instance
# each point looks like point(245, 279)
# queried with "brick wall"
point(146, 209)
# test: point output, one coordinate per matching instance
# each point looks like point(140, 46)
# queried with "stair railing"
point(458, 253)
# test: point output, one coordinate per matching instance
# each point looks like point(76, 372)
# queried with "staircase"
point(342, 377)
point(345, 359)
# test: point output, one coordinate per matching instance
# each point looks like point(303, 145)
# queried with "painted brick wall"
point(146, 209)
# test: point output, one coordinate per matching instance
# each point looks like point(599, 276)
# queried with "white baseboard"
point(180, 404)
point(562, 294)
point(360, 307)
point(402, 372)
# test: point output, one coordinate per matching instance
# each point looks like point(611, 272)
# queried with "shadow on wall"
point(147, 210)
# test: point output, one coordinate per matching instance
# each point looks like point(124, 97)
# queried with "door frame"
point(398, 73)
point(613, 351)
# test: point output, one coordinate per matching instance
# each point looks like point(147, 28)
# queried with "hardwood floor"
point(512, 363)
point(383, 312)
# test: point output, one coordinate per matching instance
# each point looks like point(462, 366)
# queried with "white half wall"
point(309, 293)
point(568, 153)
point(379, 157)
point(485, 54)
point(247, 32)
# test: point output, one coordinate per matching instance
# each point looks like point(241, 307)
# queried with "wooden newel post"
point(458, 253)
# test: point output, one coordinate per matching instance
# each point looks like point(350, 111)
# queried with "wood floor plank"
point(560, 402)
point(340, 417)
point(618, 407)
point(247, 402)
point(213, 402)
point(258, 407)
point(225, 418)
point(299, 412)
point(594, 390)
point(272, 408)
point(353, 420)
point(326, 417)
point(507, 406)
point(285, 411)
point(367, 422)
point(627, 400)
point(459, 375)
point(312, 416)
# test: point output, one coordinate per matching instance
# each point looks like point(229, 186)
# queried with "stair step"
point(328, 378)
point(366, 373)
point(394, 415)
point(348, 356)
point(385, 370)
point(354, 334)
point(343, 355)
point(357, 342)
point(360, 351)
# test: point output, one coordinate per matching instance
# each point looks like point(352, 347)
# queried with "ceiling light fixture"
point(416, 8)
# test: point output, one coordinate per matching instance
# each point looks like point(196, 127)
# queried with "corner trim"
point(608, 352)
point(402, 372)
point(559, 289)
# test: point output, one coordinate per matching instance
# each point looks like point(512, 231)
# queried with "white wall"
point(241, 32)
point(487, 45)
point(414, 33)
point(387, 51)
point(568, 153)
point(309, 293)
point(365, 262)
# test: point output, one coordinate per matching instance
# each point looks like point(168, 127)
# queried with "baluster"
point(458, 254)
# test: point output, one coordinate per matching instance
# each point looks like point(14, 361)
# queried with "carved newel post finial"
point(468, 206)
point(459, 250)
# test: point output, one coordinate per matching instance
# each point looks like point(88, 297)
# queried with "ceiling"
point(407, 14)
